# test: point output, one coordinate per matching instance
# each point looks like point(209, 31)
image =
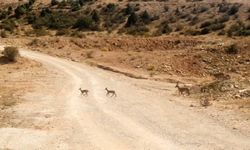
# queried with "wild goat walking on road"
point(110, 92)
point(84, 92)
point(182, 90)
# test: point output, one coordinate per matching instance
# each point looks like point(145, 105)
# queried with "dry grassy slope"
point(3, 2)
point(182, 17)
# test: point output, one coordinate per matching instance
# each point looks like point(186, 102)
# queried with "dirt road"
point(144, 115)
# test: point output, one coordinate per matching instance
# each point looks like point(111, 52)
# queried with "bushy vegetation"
point(8, 25)
point(55, 20)
point(23, 9)
point(65, 16)
point(86, 23)
point(238, 29)
point(10, 53)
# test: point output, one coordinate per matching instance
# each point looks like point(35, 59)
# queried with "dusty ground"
point(189, 60)
point(232, 114)
point(16, 81)
point(143, 116)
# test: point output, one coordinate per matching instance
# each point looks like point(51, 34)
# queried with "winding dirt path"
point(142, 116)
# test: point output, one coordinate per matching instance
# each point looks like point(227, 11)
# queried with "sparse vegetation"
point(68, 15)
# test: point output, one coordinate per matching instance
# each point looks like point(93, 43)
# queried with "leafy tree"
point(146, 18)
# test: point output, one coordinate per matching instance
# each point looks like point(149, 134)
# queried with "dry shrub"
point(204, 102)
point(89, 54)
point(11, 53)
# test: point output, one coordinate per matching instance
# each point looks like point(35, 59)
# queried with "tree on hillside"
point(132, 20)
point(128, 10)
point(146, 18)
point(95, 16)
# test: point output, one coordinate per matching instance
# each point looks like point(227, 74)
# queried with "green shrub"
point(95, 16)
point(8, 25)
point(55, 20)
point(31, 18)
point(11, 53)
point(165, 29)
point(85, 23)
point(132, 20)
point(20, 10)
point(128, 10)
point(238, 29)
point(3, 14)
point(146, 18)
point(233, 10)
point(23, 9)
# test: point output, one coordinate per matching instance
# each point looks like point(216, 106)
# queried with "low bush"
point(8, 25)
point(231, 49)
point(11, 53)
point(62, 32)
point(85, 23)
point(132, 20)
point(38, 32)
point(238, 29)
point(3, 34)
point(233, 10)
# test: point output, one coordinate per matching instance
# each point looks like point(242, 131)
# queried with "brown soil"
point(16, 80)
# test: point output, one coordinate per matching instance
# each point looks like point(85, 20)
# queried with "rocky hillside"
point(134, 17)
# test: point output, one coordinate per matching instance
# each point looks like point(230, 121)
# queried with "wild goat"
point(110, 92)
point(182, 90)
point(84, 92)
